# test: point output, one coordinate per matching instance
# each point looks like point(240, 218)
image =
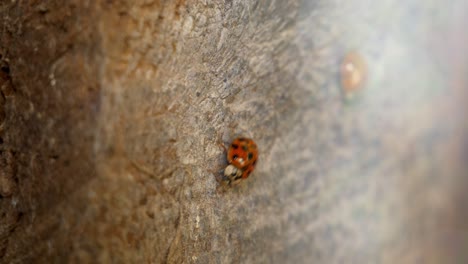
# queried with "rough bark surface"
point(111, 115)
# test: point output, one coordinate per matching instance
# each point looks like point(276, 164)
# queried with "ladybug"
point(353, 72)
point(242, 157)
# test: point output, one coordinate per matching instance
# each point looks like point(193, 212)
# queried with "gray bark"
point(111, 115)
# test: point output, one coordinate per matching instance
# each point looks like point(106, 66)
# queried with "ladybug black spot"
point(235, 146)
point(235, 157)
point(245, 148)
point(250, 156)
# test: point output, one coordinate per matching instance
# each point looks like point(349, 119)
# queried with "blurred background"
point(111, 115)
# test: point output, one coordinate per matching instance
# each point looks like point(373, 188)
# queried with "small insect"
point(242, 157)
point(353, 72)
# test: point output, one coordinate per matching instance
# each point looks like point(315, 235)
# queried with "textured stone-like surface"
point(124, 172)
point(49, 96)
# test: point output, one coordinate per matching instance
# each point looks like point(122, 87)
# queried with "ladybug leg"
point(220, 178)
point(215, 172)
point(223, 180)
point(218, 174)
point(223, 146)
point(221, 143)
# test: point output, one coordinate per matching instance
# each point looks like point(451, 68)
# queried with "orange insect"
point(353, 72)
point(242, 157)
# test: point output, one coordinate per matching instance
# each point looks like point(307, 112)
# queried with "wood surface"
point(112, 112)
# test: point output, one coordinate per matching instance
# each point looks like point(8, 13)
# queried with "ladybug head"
point(232, 174)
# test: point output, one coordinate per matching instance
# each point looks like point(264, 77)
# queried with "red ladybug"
point(242, 157)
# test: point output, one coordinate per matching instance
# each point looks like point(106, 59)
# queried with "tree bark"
point(111, 115)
